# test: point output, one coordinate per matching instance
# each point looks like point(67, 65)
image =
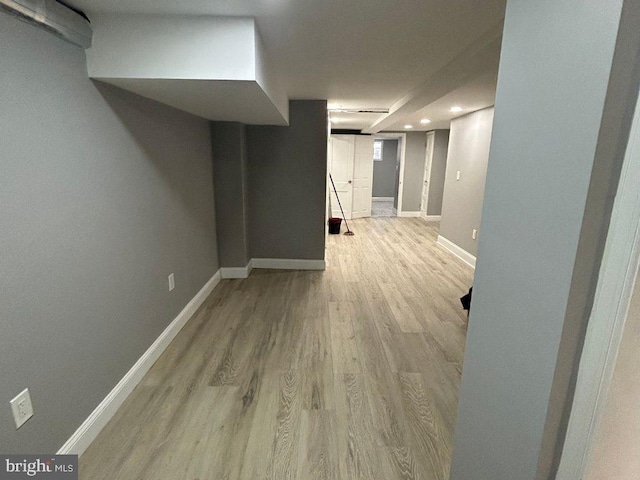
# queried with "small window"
point(377, 151)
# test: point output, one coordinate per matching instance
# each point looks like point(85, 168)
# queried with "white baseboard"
point(432, 218)
point(408, 214)
point(274, 263)
point(383, 199)
point(288, 264)
point(457, 251)
point(237, 272)
point(95, 422)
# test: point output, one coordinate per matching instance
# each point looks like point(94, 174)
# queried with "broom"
point(348, 232)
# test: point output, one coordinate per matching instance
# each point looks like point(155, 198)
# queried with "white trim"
point(382, 199)
point(95, 422)
point(432, 218)
point(403, 149)
point(459, 252)
point(408, 214)
point(606, 324)
point(426, 176)
point(272, 263)
point(288, 264)
point(236, 272)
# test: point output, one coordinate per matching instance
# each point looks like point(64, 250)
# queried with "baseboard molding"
point(273, 263)
point(383, 199)
point(433, 218)
point(91, 427)
point(237, 272)
point(457, 251)
point(288, 264)
point(408, 214)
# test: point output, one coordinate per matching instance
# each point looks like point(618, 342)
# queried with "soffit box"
point(213, 67)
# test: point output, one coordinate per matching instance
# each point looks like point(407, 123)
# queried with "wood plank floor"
point(351, 373)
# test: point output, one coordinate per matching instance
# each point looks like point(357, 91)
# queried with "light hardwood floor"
point(351, 373)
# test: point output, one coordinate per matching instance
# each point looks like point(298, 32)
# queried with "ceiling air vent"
point(52, 17)
point(360, 110)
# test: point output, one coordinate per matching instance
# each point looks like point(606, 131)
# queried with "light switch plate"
point(22, 408)
point(172, 282)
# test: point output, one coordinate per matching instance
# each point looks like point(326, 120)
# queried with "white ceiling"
point(355, 53)
point(475, 95)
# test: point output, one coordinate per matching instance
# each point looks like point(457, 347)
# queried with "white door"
point(362, 176)
point(341, 169)
point(426, 175)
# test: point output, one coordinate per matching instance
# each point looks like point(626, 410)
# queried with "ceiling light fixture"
point(408, 126)
point(456, 109)
point(424, 121)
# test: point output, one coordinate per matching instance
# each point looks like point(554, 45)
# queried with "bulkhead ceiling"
point(358, 53)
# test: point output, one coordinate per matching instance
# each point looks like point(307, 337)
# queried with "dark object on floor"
point(334, 225)
point(348, 232)
point(466, 301)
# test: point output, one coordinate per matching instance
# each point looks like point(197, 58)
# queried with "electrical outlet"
point(22, 408)
point(474, 234)
point(458, 175)
point(172, 282)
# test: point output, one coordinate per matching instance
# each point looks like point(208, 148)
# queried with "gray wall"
point(229, 145)
point(414, 159)
point(287, 184)
point(103, 194)
point(384, 171)
point(462, 201)
point(559, 134)
point(438, 171)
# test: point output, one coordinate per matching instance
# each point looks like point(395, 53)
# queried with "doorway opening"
point(386, 175)
point(352, 165)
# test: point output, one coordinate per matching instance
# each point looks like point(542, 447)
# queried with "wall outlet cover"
point(22, 408)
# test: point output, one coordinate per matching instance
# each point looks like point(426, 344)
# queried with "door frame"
point(402, 145)
point(606, 324)
point(428, 164)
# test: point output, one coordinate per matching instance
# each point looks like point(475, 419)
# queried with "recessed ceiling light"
point(408, 126)
point(425, 121)
point(456, 109)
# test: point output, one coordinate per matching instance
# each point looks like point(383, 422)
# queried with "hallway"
point(348, 373)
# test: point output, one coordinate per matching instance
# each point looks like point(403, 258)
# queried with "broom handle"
point(339, 203)
point(330, 206)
